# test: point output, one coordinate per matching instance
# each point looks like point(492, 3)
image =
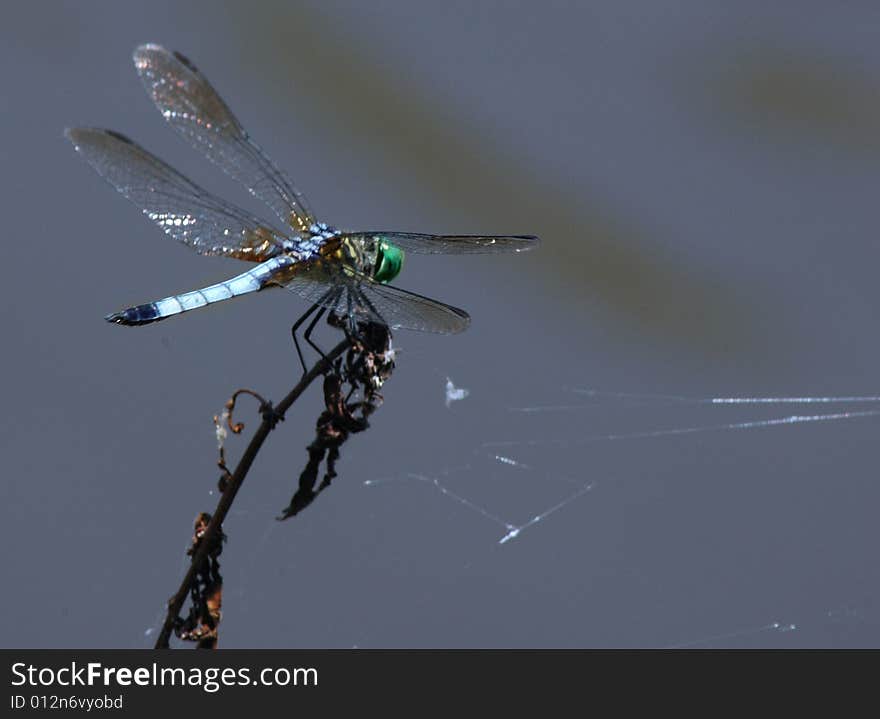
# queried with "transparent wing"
point(184, 210)
point(400, 308)
point(186, 99)
point(452, 244)
point(349, 293)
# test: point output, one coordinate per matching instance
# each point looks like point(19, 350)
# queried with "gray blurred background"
point(705, 178)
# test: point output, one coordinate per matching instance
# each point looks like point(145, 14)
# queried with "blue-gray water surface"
point(704, 177)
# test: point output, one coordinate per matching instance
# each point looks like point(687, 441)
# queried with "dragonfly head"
point(389, 262)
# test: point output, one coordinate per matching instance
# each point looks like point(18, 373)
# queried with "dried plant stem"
point(233, 484)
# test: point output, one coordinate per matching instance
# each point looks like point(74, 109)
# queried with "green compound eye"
point(388, 263)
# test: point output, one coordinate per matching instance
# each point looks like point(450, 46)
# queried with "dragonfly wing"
point(350, 293)
point(400, 308)
point(186, 99)
point(452, 244)
point(184, 210)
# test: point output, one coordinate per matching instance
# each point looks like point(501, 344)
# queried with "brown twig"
point(230, 407)
point(271, 415)
point(206, 593)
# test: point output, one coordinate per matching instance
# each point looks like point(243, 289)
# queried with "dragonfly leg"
point(375, 317)
point(307, 335)
point(296, 326)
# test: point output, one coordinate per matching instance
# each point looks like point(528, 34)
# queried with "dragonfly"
point(345, 273)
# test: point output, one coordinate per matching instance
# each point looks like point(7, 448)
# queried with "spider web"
point(495, 458)
point(529, 471)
